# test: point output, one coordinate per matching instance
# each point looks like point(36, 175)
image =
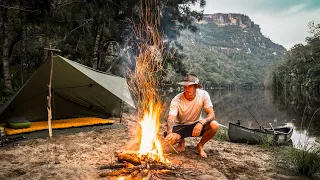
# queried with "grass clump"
point(304, 161)
point(266, 141)
point(222, 134)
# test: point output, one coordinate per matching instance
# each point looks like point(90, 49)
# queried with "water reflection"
point(305, 106)
point(267, 108)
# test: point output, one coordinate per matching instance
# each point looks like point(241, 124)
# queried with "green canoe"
point(277, 135)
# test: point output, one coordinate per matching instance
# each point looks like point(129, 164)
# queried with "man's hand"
point(197, 130)
point(172, 138)
point(168, 137)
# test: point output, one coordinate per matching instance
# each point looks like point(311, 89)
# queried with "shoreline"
point(77, 156)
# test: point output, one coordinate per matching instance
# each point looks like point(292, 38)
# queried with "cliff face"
point(221, 19)
point(229, 49)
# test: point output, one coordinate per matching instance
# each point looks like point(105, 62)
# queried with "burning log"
point(122, 171)
point(128, 157)
point(144, 167)
point(162, 166)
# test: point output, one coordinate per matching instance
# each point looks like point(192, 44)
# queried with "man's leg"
point(180, 147)
point(209, 131)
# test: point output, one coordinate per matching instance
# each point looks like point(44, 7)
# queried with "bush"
point(222, 134)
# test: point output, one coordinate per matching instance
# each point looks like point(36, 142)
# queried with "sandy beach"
point(78, 156)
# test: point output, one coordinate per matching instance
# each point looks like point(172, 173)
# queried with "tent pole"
point(122, 107)
point(50, 51)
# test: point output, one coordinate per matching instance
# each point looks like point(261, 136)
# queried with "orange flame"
point(150, 144)
point(145, 80)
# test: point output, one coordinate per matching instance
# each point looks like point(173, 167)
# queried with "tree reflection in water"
point(267, 107)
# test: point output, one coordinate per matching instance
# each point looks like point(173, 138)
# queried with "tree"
point(300, 68)
point(91, 32)
point(5, 48)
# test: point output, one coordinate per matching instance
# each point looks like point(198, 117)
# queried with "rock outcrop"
point(222, 19)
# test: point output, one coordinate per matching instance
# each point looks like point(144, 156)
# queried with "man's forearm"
point(170, 124)
point(210, 117)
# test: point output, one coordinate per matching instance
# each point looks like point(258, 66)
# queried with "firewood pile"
point(130, 166)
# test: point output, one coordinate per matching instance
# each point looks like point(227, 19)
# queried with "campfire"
point(149, 159)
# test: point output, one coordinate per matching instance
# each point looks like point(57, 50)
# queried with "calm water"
point(267, 107)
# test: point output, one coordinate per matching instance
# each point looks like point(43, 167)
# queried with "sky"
point(283, 21)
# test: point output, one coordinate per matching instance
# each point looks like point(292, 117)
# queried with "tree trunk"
point(1, 22)
point(97, 43)
point(23, 17)
point(5, 51)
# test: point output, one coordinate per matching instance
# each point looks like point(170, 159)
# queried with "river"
point(299, 110)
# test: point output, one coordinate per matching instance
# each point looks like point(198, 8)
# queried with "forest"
point(230, 56)
point(92, 32)
point(99, 34)
point(300, 67)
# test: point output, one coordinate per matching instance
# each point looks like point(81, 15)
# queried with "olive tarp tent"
point(77, 91)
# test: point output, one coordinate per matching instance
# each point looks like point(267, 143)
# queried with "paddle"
point(276, 132)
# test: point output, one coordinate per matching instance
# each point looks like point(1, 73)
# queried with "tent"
point(77, 91)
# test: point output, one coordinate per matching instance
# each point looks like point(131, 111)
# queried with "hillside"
point(229, 50)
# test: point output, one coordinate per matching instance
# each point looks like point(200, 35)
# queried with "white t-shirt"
point(187, 112)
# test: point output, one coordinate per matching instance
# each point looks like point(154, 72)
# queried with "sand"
point(78, 156)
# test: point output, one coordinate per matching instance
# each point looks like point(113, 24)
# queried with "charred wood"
point(113, 166)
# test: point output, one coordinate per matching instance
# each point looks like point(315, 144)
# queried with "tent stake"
point(50, 51)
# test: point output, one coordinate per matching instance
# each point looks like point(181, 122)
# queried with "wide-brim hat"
point(190, 79)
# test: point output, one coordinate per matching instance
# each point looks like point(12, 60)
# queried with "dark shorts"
point(186, 130)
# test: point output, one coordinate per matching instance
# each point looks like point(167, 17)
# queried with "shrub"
point(222, 134)
point(266, 141)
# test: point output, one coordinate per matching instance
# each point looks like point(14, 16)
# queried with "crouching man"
point(184, 115)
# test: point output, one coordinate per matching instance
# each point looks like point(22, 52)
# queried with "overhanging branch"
point(16, 8)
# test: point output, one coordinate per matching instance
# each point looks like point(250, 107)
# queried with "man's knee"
point(214, 126)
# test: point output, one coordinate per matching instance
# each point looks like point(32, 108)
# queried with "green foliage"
point(300, 68)
point(73, 27)
point(266, 141)
point(304, 161)
point(229, 55)
point(222, 134)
